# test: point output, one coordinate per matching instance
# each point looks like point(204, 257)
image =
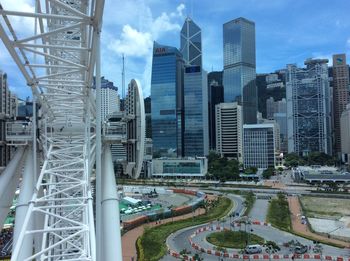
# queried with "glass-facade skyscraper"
point(196, 138)
point(167, 101)
point(240, 67)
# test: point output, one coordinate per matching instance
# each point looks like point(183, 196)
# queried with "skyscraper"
point(167, 101)
point(240, 67)
point(340, 94)
point(196, 139)
point(308, 108)
point(215, 96)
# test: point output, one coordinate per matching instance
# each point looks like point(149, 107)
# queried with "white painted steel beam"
point(111, 239)
point(9, 179)
point(26, 192)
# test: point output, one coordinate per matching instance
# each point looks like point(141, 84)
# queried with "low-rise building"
point(180, 168)
point(259, 145)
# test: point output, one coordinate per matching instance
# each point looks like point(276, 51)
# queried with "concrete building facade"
point(229, 121)
point(259, 145)
point(340, 95)
point(345, 134)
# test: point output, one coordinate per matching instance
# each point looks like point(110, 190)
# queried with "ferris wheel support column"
point(112, 249)
point(8, 183)
point(26, 192)
point(98, 148)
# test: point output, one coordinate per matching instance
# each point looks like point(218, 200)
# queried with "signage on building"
point(160, 50)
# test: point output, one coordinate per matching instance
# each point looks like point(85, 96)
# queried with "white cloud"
point(132, 42)
point(137, 42)
point(24, 26)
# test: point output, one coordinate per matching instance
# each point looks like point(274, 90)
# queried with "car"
point(253, 249)
point(300, 249)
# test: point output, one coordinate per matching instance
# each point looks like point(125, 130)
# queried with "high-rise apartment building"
point(229, 130)
point(240, 67)
point(195, 92)
point(215, 96)
point(309, 108)
point(259, 145)
point(110, 101)
point(8, 111)
point(340, 95)
point(167, 101)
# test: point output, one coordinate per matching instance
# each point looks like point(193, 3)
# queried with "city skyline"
point(284, 34)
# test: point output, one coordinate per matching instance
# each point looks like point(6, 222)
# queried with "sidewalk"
point(130, 237)
point(298, 227)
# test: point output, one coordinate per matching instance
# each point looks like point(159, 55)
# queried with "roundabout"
point(193, 242)
point(233, 239)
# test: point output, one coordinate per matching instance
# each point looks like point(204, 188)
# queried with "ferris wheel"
point(66, 144)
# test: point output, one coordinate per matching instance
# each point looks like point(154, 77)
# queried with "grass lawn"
point(278, 213)
point(151, 245)
point(325, 207)
point(233, 239)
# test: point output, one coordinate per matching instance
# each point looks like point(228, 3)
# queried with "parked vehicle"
point(301, 249)
point(253, 249)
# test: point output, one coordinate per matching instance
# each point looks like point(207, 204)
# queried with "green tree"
point(268, 173)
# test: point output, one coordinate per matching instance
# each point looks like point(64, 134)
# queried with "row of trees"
point(222, 168)
point(314, 158)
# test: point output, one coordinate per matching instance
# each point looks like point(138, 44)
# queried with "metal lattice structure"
point(58, 64)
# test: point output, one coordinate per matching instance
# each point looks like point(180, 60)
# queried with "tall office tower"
point(259, 145)
point(229, 130)
point(167, 101)
point(147, 102)
point(345, 134)
point(308, 108)
point(239, 66)
point(340, 95)
point(196, 139)
point(215, 96)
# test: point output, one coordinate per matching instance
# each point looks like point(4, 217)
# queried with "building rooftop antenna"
point(123, 78)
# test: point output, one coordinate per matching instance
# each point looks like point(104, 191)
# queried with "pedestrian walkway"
point(303, 229)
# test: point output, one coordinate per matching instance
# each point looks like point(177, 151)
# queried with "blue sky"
point(287, 31)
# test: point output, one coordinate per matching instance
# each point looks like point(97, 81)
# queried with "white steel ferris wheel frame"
point(70, 129)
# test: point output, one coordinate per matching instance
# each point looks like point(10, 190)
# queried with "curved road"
point(179, 240)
